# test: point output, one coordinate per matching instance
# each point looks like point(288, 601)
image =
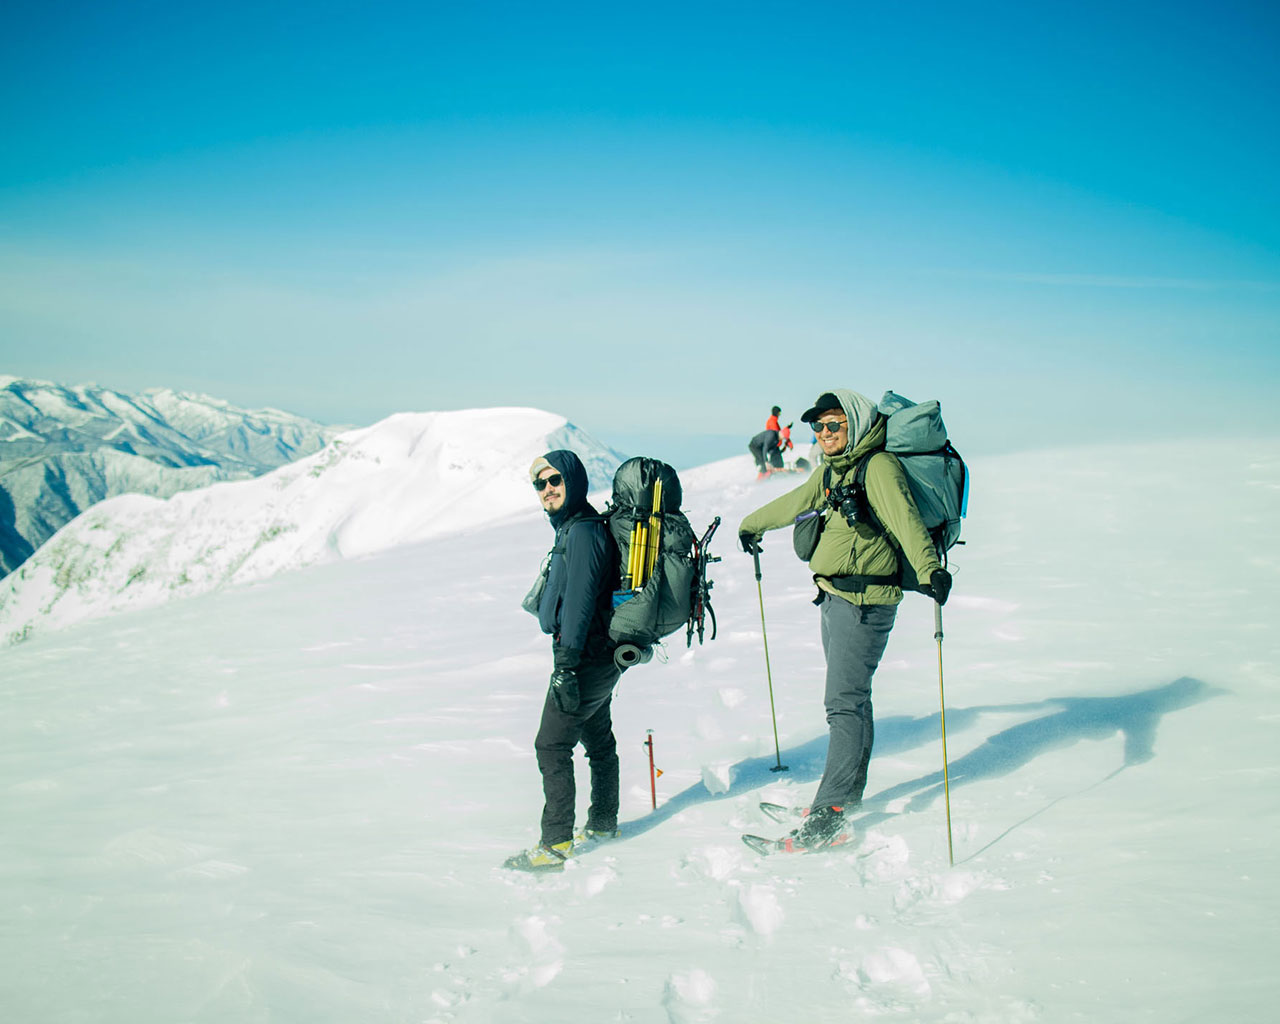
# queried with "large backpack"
point(936, 474)
point(938, 477)
point(661, 563)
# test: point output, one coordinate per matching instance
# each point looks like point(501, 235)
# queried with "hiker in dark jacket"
point(855, 568)
point(574, 609)
point(764, 445)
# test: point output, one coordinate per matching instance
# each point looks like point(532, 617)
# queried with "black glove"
point(564, 689)
point(750, 542)
point(565, 657)
point(940, 584)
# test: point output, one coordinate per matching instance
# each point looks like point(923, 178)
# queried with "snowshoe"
point(823, 829)
point(541, 858)
point(781, 812)
point(789, 844)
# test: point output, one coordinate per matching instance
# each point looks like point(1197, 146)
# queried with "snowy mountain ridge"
point(177, 428)
point(408, 478)
point(65, 448)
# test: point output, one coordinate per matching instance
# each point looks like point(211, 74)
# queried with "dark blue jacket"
point(583, 573)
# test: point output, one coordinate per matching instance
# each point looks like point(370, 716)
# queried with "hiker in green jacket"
point(855, 566)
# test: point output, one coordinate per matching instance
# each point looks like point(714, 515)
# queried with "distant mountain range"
point(64, 449)
point(407, 478)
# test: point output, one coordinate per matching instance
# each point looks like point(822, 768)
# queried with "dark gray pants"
point(853, 640)
point(764, 449)
point(558, 734)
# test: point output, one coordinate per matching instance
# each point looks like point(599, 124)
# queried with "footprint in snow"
point(689, 997)
point(760, 908)
point(542, 956)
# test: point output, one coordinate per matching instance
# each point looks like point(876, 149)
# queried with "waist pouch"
point(533, 599)
point(805, 533)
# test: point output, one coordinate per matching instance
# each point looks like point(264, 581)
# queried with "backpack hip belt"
point(857, 584)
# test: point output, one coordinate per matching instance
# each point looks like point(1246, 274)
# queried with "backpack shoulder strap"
point(858, 584)
point(562, 534)
point(860, 485)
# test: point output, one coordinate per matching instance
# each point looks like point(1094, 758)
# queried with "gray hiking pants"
point(853, 640)
point(559, 732)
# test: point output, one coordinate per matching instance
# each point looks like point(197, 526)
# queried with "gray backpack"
point(937, 475)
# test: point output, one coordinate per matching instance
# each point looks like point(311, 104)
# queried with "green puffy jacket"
point(858, 550)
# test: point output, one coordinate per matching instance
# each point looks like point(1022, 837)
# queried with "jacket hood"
point(866, 425)
point(574, 472)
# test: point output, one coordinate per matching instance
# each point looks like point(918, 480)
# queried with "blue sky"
point(1061, 219)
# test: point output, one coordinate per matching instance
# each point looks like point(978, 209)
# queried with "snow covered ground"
point(287, 801)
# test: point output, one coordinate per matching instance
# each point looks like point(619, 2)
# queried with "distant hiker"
point(764, 447)
point(815, 447)
point(573, 602)
point(855, 567)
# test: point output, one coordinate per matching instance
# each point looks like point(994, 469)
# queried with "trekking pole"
point(654, 540)
point(779, 767)
point(942, 698)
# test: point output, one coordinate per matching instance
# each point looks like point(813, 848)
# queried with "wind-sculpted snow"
point(408, 478)
point(289, 802)
point(63, 449)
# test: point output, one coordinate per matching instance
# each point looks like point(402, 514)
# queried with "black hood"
point(575, 485)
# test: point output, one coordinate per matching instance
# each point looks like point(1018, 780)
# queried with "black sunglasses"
point(834, 426)
point(555, 480)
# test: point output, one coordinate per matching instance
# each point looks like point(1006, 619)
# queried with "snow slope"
point(412, 476)
point(287, 802)
point(64, 448)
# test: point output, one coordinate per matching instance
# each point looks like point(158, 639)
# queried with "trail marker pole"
point(653, 772)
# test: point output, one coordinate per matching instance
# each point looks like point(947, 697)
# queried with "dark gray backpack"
point(656, 560)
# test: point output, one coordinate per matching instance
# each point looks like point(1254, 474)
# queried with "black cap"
point(825, 401)
point(774, 411)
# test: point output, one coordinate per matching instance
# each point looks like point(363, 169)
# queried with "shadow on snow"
point(1066, 720)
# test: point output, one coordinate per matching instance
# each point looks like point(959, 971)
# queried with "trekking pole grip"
point(755, 557)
